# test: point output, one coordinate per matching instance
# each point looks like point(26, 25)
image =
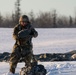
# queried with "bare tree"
point(44, 19)
point(62, 21)
point(32, 17)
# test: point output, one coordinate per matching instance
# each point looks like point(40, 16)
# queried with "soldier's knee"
point(15, 54)
point(14, 59)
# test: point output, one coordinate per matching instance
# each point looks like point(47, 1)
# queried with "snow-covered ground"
point(49, 41)
point(53, 68)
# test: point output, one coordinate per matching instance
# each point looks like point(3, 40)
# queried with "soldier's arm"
point(15, 33)
point(34, 33)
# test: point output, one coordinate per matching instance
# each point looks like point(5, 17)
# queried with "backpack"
point(36, 70)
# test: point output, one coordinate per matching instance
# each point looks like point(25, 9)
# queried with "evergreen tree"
point(54, 19)
point(17, 11)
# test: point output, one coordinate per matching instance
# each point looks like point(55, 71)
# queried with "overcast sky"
point(63, 7)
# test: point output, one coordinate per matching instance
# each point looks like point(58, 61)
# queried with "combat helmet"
point(24, 18)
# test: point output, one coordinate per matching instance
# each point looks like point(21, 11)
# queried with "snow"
point(53, 68)
point(49, 41)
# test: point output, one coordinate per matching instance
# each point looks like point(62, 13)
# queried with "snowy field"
point(49, 41)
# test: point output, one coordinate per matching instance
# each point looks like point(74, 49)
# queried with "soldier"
point(23, 47)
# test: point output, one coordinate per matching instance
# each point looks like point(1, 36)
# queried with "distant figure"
point(23, 34)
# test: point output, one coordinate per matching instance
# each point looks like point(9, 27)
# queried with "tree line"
point(50, 19)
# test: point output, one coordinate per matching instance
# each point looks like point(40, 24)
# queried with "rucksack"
point(36, 70)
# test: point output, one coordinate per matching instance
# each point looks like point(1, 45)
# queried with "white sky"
point(64, 7)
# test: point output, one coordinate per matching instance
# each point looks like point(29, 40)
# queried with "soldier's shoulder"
point(17, 26)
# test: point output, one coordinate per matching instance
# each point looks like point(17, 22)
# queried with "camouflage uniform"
point(22, 50)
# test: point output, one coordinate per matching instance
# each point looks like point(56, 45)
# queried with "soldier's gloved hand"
point(33, 33)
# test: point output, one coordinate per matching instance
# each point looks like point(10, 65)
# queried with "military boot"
point(12, 70)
